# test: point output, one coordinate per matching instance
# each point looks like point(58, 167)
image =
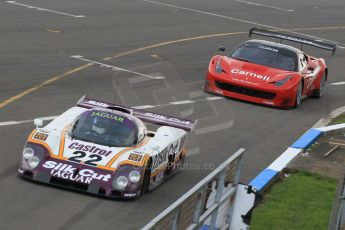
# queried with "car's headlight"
point(219, 68)
point(134, 176)
point(30, 158)
point(28, 153)
point(120, 183)
point(33, 162)
point(282, 81)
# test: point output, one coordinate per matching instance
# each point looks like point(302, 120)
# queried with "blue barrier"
point(263, 179)
point(307, 139)
point(206, 227)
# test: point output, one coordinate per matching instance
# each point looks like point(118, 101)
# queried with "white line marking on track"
point(43, 9)
point(338, 83)
point(213, 128)
point(267, 6)
point(340, 45)
point(7, 123)
point(181, 102)
point(79, 57)
point(214, 98)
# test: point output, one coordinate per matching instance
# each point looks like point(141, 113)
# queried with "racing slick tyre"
point(319, 92)
point(299, 94)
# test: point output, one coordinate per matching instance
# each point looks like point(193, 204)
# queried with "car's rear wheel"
point(319, 92)
point(299, 94)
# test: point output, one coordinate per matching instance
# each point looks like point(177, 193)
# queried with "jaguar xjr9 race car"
point(105, 149)
point(269, 73)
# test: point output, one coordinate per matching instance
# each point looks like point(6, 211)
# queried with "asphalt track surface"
point(39, 78)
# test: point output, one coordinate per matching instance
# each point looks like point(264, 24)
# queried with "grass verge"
point(338, 120)
point(302, 201)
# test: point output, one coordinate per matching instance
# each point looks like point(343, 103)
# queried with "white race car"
point(105, 149)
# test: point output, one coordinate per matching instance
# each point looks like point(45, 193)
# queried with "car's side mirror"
point(38, 122)
point(310, 68)
point(221, 49)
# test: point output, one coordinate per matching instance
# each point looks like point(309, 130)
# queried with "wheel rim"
point(299, 94)
point(322, 85)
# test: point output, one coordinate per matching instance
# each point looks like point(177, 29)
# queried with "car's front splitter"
point(79, 177)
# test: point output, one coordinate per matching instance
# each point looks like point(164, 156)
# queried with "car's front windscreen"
point(105, 128)
point(266, 55)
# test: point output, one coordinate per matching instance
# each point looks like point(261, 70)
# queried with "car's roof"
point(275, 44)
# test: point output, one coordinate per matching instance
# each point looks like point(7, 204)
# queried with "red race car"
point(269, 73)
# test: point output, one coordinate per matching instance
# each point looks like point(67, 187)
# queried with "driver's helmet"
point(99, 125)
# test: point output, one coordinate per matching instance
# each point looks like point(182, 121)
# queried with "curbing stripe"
point(269, 174)
point(281, 162)
point(206, 227)
point(331, 127)
point(263, 179)
point(307, 139)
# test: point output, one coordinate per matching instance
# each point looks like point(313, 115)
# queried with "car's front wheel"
point(319, 92)
point(299, 94)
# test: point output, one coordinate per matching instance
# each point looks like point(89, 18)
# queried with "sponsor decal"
point(135, 157)
point(247, 82)
point(88, 160)
point(268, 102)
point(68, 172)
point(171, 150)
point(250, 74)
point(129, 194)
point(97, 103)
point(282, 36)
point(160, 158)
point(89, 148)
point(41, 136)
point(310, 79)
point(108, 115)
point(172, 119)
point(268, 48)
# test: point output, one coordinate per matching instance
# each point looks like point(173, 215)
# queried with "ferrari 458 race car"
point(105, 149)
point(269, 73)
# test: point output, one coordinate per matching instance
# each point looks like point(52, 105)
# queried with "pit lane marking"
point(79, 57)
point(126, 53)
point(8, 123)
point(267, 6)
point(43, 9)
point(340, 45)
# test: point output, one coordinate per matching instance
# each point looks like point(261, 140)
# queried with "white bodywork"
point(167, 141)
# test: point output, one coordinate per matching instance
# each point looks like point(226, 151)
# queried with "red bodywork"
point(256, 83)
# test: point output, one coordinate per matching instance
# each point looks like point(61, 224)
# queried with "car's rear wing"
point(146, 116)
point(281, 36)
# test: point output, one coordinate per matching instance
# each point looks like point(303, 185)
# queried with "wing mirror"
point(38, 122)
point(221, 49)
point(310, 68)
